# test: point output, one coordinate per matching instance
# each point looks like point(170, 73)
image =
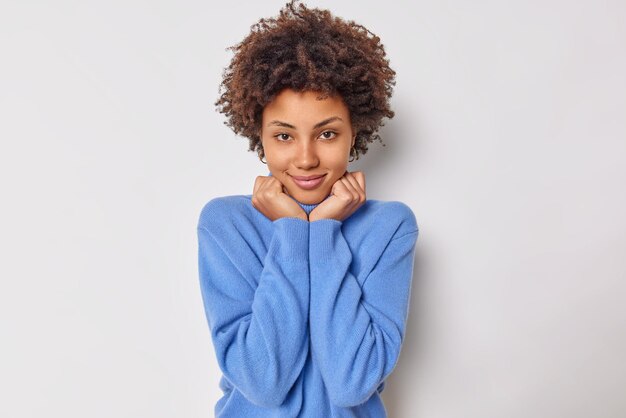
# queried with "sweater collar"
point(308, 208)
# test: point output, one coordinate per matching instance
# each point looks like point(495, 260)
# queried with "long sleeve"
point(357, 325)
point(259, 332)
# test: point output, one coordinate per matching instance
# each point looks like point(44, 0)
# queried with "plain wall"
point(508, 144)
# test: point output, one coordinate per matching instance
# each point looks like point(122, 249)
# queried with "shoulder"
point(224, 209)
point(396, 217)
point(396, 209)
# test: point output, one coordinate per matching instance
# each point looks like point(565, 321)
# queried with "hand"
point(270, 199)
point(347, 195)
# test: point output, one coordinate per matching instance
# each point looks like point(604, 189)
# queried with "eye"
point(281, 138)
point(324, 134)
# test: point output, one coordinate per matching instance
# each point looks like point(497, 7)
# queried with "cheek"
point(272, 155)
point(337, 160)
point(276, 162)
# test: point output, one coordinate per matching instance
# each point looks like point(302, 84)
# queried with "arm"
point(259, 334)
point(357, 332)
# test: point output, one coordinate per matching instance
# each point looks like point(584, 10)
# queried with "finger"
point(275, 184)
point(278, 186)
point(258, 181)
point(257, 184)
point(357, 187)
point(353, 181)
point(340, 188)
point(266, 190)
point(354, 194)
point(360, 177)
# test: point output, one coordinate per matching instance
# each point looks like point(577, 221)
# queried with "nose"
point(306, 155)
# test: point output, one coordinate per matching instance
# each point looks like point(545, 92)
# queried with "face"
point(306, 137)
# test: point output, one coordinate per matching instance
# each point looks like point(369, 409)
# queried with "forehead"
point(305, 107)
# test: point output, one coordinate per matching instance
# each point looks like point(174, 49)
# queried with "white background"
point(508, 144)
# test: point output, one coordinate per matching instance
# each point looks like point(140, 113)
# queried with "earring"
point(351, 155)
point(261, 158)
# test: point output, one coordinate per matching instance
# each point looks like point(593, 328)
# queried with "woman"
point(305, 282)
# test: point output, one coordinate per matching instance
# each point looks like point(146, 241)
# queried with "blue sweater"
point(306, 318)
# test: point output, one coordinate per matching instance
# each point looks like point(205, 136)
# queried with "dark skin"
point(347, 195)
point(314, 137)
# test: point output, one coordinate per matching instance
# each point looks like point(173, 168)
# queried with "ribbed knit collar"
point(308, 208)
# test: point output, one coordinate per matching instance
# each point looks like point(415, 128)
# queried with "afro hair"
point(307, 50)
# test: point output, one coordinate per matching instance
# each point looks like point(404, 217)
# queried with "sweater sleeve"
point(259, 332)
point(357, 329)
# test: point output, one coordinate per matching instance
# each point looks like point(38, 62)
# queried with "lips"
point(306, 178)
point(308, 182)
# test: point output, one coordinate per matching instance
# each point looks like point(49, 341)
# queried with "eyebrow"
point(317, 125)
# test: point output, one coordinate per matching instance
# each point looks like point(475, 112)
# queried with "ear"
point(260, 136)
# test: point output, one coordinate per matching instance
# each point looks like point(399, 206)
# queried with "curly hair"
point(307, 49)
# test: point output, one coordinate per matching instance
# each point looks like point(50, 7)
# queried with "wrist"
point(319, 218)
point(299, 217)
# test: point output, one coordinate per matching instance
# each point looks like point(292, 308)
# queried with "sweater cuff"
point(326, 239)
point(291, 238)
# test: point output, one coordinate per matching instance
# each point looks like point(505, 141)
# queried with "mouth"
point(308, 182)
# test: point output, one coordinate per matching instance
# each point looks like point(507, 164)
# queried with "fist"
point(347, 195)
point(270, 199)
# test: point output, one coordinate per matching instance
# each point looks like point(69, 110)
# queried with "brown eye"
point(280, 138)
point(324, 134)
